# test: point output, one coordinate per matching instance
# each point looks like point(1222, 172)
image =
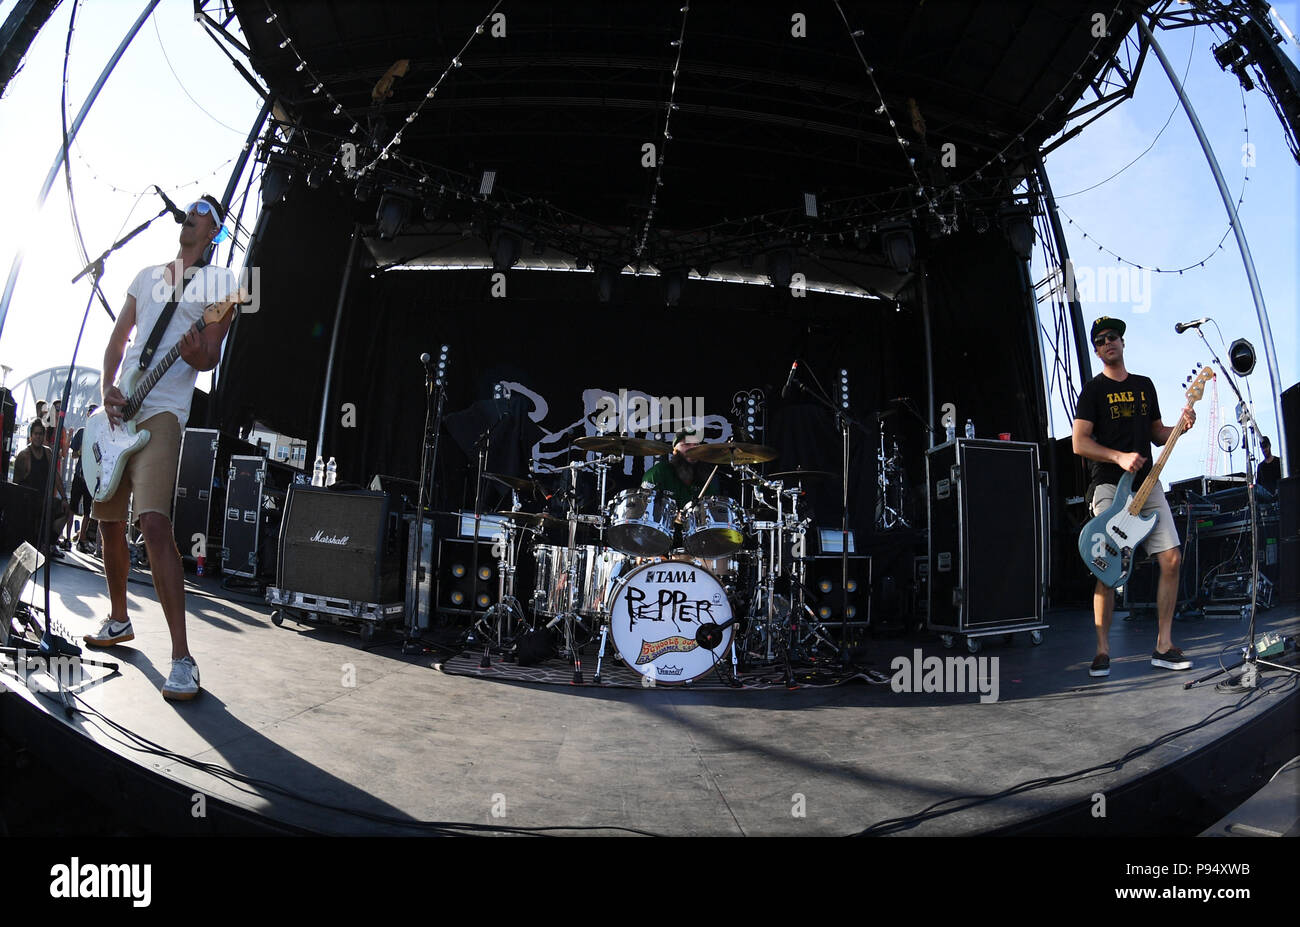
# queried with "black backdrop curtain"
point(552, 339)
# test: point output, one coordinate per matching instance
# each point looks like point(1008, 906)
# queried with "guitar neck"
point(1140, 497)
point(142, 388)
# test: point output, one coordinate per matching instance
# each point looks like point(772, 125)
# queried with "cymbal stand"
point(507, 614)
point(888, 516)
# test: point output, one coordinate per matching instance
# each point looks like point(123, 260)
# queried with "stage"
point(303, 730)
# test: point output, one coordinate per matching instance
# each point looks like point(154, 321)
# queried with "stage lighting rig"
point(899, 244)
point(394, 209)
point(277, 178)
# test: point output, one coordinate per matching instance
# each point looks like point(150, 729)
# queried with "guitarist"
point(150, 476)
point(1115, 422)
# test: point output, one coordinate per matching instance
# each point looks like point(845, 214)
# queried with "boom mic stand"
point(53, 644)
point(1249, 678)
point(843, 422)
point(428, 463)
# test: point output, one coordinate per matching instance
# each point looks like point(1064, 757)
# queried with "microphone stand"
point(428, 463)
point(53, 644)
point(843, 422)
point(1249, 678)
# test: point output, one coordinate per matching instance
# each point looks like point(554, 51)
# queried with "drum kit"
point(675, 591)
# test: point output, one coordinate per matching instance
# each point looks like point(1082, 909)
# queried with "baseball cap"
point(1106, 323)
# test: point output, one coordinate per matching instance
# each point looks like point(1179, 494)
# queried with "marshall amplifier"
point(341, 545)
point(200, 479)
point(255, 491)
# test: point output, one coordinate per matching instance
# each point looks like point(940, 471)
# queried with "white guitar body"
point(105, 449)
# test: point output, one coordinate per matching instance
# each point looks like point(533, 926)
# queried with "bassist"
point(1116, 421)
point(150, 476)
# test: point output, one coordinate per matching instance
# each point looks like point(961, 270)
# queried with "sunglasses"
point(203, 208)
point(1106, 338)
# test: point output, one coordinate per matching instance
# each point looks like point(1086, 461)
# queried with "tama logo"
point(105, 880)
point(321, 538)
point(671, 576)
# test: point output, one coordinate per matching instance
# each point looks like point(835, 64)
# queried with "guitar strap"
point(164, 319)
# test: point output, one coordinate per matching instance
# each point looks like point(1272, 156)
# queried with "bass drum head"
point(655, 613)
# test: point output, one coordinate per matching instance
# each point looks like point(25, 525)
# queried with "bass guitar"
point(1108, 541)
point(105, 448)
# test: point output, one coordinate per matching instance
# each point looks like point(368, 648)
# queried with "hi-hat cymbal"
point(731, 453)
point(622, 444)
point(804, 474)
point(523, 484)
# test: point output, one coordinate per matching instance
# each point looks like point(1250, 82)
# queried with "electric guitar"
point(1108, 541)
point(105, 449)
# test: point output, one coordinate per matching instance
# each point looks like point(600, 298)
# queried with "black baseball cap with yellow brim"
point(1106, 323)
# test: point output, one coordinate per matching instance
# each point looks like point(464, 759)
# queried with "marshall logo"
point(321, 538)
point(651, 650)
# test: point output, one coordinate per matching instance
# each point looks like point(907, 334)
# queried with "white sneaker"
point(110, 632)
point(183, 683)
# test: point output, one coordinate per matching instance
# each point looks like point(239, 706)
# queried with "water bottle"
point(970, 428)
point(952, 432)
point(331, 472)
point(318, 472)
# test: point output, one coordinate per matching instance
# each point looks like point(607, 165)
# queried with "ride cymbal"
point(622, 444)
point(731, 453)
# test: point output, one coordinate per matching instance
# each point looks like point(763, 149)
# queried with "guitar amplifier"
point(200, 478)
point(987, 557)
point(255, 492)
point(341, 545)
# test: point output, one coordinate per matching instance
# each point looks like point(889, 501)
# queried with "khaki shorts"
point(150, 475)
point(1164, 536)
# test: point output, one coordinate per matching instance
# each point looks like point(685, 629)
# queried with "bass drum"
point(655, 613)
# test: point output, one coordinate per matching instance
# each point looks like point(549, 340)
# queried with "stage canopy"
point(728, 187)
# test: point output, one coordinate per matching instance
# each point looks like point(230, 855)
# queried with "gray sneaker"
point(110, 632)
point(183, 683)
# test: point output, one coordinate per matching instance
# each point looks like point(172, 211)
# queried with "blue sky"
point(183, 133)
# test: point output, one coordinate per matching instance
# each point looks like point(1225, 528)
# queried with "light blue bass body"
point(1107, 542)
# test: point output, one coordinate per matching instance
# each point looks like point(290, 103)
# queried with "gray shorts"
point(1164, 536)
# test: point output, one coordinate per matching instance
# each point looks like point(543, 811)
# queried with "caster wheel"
point(973, 644)
point(947, 641)
point(1035, 637)
point(277, 618)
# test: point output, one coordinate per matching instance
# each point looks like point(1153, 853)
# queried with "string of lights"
point(1241, 197)
point(662, 158)
point(318, 85)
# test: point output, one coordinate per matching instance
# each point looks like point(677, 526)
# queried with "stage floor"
point(346, 740)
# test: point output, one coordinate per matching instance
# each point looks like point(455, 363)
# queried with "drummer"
point(679, 477)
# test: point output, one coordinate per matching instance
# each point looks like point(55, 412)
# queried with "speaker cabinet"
point(341, 545)
point(255, 491)
point(8, 425)
point(987, 555)
point(201, 474)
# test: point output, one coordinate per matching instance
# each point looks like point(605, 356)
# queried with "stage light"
point(1018, 226)
point(900, 246)
point(673, 281)
point(506, 247)
point(780, 266)
point(394, 209)
point(277, 178)
point(1241, 354)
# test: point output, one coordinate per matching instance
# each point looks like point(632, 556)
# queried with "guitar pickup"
point(1120, 532)
point(1112, 550)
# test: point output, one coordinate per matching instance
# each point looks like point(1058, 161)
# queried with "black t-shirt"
point(1121, 413)
point(74, 447)
point(1268, 474)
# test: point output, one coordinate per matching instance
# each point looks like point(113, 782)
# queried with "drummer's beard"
point(684, 469)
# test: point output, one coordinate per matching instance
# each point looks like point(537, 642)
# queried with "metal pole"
point(923, 286)
point(334, 338)
point(1082, 347)
point(1255, 292)
point(16, 267)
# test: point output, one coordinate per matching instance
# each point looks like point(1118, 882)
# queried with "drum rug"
point(616, 675)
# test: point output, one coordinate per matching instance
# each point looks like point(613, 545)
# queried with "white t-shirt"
point(152, 292)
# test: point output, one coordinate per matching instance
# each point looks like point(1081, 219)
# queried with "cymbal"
point(622, 444)
point(804, 474)
point(531, 519)
point(731, 453)
point(523, 484)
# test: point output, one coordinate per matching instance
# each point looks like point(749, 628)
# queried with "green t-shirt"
point(663, 476)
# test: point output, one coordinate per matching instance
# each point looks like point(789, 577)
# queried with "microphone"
point(1181, 327)
point(789, 380)
point(176, 212)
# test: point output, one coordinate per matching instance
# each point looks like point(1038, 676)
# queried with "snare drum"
point(714, 527)
point(598, 572)
point(655, 613)
point(641, 522)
